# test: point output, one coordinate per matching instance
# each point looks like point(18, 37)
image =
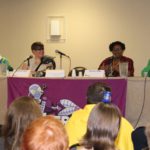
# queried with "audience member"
point(76, 125)
point(20, 113)
point(3, 60)
point(139, 138)
point(147, 132)
point(102, 128)
point(45, 133)
point(111, 64)
point(39, 62)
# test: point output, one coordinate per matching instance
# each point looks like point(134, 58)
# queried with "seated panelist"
point(39, 63)
point(111, 64)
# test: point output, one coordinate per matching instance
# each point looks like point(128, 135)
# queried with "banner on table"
point(62, 97)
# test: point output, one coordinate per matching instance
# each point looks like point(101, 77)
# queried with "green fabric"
point(5, 61)
point(146, 69)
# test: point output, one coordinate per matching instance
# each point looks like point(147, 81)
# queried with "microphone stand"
point(18, 68)
point(69, 65)
point(21, 65)
point(60, 61)
point(61, 54)
point(28, 62)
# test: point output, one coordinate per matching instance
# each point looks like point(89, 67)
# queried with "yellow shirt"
point(77, 124)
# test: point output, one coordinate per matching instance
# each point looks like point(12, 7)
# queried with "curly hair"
point(122, 45)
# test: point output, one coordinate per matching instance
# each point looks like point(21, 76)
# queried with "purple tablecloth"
point(63, 96)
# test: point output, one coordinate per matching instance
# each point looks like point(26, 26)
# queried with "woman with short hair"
point(45, 133)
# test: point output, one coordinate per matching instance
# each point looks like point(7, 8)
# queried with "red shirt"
point(109, 62)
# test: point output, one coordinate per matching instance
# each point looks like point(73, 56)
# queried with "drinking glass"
point(123, 69)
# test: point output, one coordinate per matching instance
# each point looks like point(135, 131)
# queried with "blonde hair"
point(45, 133)
point(102, 127)
point(20, 113)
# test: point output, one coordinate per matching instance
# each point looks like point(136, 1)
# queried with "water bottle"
point(73, 73)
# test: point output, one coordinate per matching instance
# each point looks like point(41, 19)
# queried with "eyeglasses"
point(38, 49)
point(117, 49)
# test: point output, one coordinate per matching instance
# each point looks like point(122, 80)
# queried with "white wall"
point(91, 25)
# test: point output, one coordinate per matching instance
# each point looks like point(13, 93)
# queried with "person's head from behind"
point(38, 49)
point(95, 92)
point(20, 113)
point(117, 48)
point(102, 127)
point(45, 133)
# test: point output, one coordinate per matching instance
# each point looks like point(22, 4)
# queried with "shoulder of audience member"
point(125, 122)
point(1, 143)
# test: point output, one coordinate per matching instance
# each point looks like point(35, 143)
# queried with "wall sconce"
point(55, 29)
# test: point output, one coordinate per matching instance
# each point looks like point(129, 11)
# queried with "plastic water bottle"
point(80, 74)
point(73, 73)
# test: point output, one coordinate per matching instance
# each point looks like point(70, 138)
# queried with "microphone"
point(61, 53)
point(28, 58)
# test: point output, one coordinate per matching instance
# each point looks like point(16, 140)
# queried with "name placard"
point(55, 73)
point(94, 73)
point(20, 73)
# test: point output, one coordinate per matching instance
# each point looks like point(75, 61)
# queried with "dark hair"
point(147, 133)
point(20, 113)
point(37, 46)
point(96, 91)
point(102, 127)
point(122, 45)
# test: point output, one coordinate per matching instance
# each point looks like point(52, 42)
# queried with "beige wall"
point(90, 26)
